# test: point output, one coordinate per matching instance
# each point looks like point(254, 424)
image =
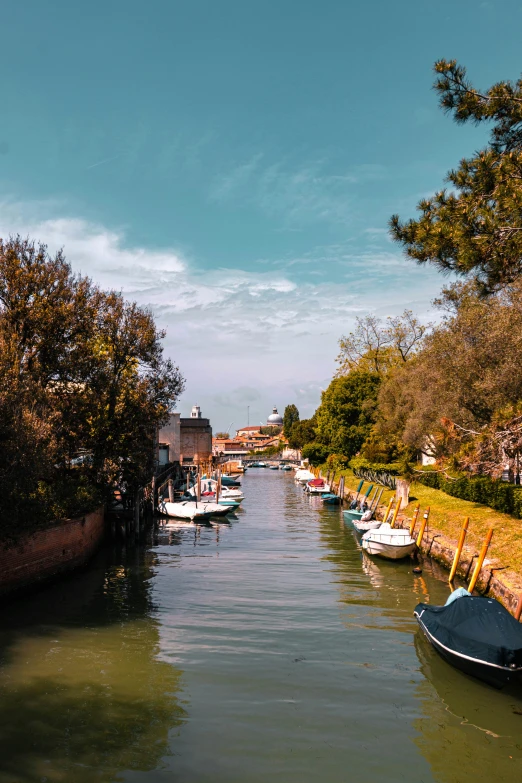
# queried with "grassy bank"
point(447, 515)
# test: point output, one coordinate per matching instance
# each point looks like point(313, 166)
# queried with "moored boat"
point(188, 509)
point(330, 499)
point(364, 527)
point(389, 542)
point(317, 486)
point(476, 635)
point(302, 475)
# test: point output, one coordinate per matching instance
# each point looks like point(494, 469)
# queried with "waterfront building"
point(185, 439)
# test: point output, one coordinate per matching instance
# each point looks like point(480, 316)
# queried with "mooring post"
point(171, 491)
point(423, 527)
point(387, 512)
point(480, 561)
point(414, 519)
point(518, 610)
point(395, 513)
point(153, 488)
point(458, 551)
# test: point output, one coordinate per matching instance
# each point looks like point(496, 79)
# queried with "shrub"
point(494, 493)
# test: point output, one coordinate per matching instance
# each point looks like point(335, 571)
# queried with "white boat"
point(387, 541)
point(208, 490)
point(317, 486)
point(188, 509)
point(364, 527)
point(302, 475)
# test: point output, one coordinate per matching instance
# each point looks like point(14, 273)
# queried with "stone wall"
point(44, 554)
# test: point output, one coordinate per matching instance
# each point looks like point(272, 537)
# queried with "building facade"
point(185, 440)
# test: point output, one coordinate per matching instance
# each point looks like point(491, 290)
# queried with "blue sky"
point(233, 165)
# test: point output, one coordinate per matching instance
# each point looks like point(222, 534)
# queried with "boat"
point(188, 509)
point(476, 635)
point(317, 486)
point(330, 498)
point(208, 492)
point(302, 475)
point(227, 481)
point(286, 467)
point(387, 541)
point(364, 527)
point(274, 467)
point(352, 515)
point(261, 464)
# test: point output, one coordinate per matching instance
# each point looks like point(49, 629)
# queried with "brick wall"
point(44, 554)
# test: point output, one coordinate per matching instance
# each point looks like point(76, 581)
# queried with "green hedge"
point(392, 468)
point(490, 492)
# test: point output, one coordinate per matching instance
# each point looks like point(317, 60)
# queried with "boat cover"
point(480, 628)
point(316, 483)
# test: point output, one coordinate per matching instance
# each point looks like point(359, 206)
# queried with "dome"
point(275, 420)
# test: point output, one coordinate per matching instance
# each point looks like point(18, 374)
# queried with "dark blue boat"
point(476, 635)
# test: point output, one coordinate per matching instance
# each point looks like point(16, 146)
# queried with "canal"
point(265, 648)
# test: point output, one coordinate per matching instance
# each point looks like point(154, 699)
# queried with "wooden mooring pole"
point(480, 561)
point(458, 551)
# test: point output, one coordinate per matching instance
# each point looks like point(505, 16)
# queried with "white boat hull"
point(389, 551)
point(364, 527)
point(189, 510)
point(386, 541)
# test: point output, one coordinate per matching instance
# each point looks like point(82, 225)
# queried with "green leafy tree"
point(81, 370)
point(475, 228)
point(290, 417)
point(315, 453)
point(347, 412)
point(302, 432)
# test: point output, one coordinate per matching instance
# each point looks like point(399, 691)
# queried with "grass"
point(447, 515)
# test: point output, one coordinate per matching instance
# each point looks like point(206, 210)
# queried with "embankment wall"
point(44, 554)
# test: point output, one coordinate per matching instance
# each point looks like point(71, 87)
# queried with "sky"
point(232, 165)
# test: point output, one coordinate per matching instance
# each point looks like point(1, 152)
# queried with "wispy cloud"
point(295, 194)
point(231, 330)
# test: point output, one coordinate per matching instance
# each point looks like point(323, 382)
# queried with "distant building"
point(187, 440)
point(169, 441)
point(249, 431)
point(274, 420)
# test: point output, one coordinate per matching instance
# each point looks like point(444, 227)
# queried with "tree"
point(375, 346)
point(475, 229)
point(80, 370)
point(290, 417)
point(223, 435)
point(302, 432)
point(347, 412)
point(465, 384)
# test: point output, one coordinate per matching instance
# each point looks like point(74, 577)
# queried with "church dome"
point(275, 420)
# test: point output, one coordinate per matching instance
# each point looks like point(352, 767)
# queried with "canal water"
point(265, 648)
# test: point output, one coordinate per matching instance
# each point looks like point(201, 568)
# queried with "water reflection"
point(82, 692)
point(468, 732)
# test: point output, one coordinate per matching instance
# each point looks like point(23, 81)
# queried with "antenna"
point(248, 415)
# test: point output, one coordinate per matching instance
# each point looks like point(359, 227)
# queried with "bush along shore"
point(501, 574)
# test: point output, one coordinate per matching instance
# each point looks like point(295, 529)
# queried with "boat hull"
point(495, 676)
point(364, 527)
point(389, 551)
point(193, 511)
point(352, 516)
